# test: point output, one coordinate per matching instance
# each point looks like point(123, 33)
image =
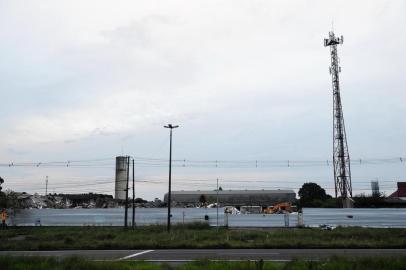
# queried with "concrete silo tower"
point(122, 173)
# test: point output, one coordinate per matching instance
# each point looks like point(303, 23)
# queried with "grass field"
point(195, 236)
point(76, 263)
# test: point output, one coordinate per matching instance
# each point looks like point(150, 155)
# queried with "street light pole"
point(170, 126)
point(217, 205)
point(133, 221)
point(126, 193)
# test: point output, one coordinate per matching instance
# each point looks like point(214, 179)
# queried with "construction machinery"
point(280, 208)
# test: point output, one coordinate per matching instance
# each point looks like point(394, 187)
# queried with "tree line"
point(313, 195)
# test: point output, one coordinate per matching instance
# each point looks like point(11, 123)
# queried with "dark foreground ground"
point(189, 255)
point(77, 263)
point(196, 236)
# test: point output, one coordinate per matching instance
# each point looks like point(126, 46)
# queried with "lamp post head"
point(171, 126)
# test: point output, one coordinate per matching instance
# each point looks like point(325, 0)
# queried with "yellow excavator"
point(279, 208)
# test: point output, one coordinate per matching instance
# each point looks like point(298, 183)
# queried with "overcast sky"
point(245, 80)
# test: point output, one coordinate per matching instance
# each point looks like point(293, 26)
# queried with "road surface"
point(187, 255)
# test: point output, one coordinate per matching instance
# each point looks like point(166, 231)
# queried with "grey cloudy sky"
point(246, 80)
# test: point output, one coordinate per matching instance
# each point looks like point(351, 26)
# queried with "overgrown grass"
point(342, 263)
point(77, 263)
point(195, 236)
point(71, 263)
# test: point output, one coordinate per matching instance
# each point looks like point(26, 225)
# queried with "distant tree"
point(3, 200)
point(364, 201)
point(8, 199)
point(3, 196)
point(220, 188)
point(202, 199)
point(140, 200)
point(1, 182)
point(311, 194)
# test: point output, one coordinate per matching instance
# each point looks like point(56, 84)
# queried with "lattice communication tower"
point(341, 157)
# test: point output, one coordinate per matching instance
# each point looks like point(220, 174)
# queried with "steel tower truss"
point(341, 157)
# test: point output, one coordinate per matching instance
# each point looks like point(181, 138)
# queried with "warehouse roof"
point(244, 191)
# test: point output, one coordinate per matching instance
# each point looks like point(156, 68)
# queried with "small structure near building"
point(399, 194)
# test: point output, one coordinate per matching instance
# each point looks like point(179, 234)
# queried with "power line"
point(161, 162)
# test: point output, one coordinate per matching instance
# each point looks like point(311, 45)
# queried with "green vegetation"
point(340, 263)
point(71, 263)
point(8, 199)
point(380, 201)
point(198, 235)
point(334, 263)
point(360, 201)
point(77, 263)
point(1, 182)
point(312, 195)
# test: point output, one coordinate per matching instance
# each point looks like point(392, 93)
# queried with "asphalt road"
point(186, 255)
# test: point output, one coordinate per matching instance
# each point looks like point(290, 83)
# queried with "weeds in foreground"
point(343, 263)
point(71, 263)
point(77, 263)
point(196, 236)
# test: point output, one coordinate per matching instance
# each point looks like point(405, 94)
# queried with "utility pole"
point(217, 204)
point(126, 194)
point(170, 126)
point(46, 185)
point(341, 157)
point(133, 221)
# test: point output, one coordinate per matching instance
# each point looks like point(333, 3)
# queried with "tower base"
point(348, 203)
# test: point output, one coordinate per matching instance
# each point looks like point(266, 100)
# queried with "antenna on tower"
point(341, 157)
